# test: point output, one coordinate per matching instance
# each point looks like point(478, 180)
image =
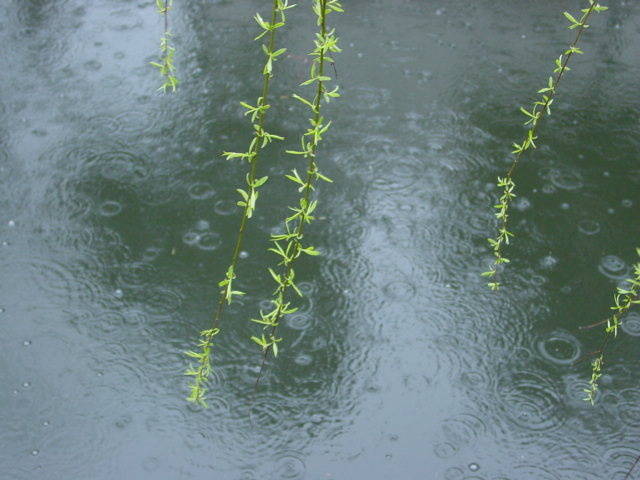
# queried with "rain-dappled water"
point(118, 218)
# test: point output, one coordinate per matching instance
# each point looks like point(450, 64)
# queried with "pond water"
point(118, 218)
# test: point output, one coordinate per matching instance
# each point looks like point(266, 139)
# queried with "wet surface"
point(118, 218)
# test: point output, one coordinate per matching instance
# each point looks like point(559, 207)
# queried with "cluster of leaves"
point(289, 246)
point(249, 196)
point(540, 108)
point(624, 298)
point(165, 64)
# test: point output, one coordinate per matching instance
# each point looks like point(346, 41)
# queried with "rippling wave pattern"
point(117, 214)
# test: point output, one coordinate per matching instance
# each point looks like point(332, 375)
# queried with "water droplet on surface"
point(627, 203)
point(35, 452)
point(118, 293)
point(26, 384)
point(243, 254)
point(26, 343)
point(11, 223)
point(474, 467)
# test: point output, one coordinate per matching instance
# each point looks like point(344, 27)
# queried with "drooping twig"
point(165, 65)
point(624, 299)
point(539, 109)
point(288, 246)
point(249, 197)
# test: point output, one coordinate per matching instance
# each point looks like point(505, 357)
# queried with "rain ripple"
point(530, 401)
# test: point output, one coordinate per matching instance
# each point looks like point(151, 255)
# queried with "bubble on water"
point(243, 254)
point(588, 227)
point(201, 191)
point(35, 452)
point(118, 293)
point(613, 267)
point(627, 203)
point(611, 211)
point(565, 206)
point(190, 238)
point(11, 223)
point(631, 324)
point(474, 467)
point(26, 384)
point(45, 423)
point(26, 343)
point(559, 347)
point(110, 208)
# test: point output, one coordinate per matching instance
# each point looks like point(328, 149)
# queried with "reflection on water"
point(118, 215)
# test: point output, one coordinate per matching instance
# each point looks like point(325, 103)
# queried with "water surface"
point(118, 218)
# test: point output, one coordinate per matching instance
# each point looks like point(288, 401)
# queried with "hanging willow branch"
point(539, 109)
point(624, 299)
point(289, 246)
point(249, 197)
point(165, 65)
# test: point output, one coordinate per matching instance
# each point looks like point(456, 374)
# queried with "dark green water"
point(117, 221)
